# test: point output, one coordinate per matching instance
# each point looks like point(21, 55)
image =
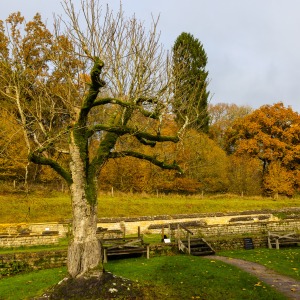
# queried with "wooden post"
point(277, 243)
point(162, 232)
point(148, 251)
point(178, 234)
point(139, 231)
point(104, 255)
point(269, 241)
point(123, 228)
point(189, 243)
point(170, 232)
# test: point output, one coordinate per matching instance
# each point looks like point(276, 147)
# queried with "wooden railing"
point(188, 233)
point(282, 239)
point(124, 246)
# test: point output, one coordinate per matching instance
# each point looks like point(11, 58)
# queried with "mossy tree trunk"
point(84, 252)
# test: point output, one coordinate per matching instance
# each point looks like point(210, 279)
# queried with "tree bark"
point(84, 252)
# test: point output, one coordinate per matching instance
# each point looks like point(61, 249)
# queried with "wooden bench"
point(124, 246)
point(281, 238)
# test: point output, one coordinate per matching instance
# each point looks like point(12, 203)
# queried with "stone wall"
point(205, 225)
point(32, 261)
point(13, 241)
point(236, 243)
point(27, 240)
point(63, 228)
point(200, 228)
point(216, 224)
point(248, 228)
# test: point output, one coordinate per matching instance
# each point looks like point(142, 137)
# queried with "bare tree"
point(92, 81)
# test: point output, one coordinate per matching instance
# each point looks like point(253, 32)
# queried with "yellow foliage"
point(279, 180)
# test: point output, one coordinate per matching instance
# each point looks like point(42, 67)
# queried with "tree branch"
point(137, 105)
point(96, 84)
point(41, 160)
point(152, 159)
point(122, 130)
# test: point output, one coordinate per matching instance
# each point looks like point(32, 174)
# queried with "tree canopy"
point(271, 134)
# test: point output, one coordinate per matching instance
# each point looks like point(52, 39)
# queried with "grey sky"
point(253, 46)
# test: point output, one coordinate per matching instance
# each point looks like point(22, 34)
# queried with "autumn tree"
point(204, 163)
point(245, 175)
point(222, 116)
point(271, 134)
point(133, 175)
point(279, 180)
point(81, 86)
point(13, 155)
point(203, 160)
point(191, 81)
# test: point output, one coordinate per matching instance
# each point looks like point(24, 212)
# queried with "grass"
point(188, 277)
point(166, 277)
point(285, 261)
point(52, 207)
point(26, 286)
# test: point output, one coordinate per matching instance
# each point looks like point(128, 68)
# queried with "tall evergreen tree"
point(191, 80)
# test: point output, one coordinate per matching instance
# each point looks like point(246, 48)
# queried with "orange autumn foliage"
point(271, 134)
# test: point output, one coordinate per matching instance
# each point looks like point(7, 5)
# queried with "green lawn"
point(188, 277)
point(46, 207)
point(26, 286)
point(165, 277)
point(285, 261)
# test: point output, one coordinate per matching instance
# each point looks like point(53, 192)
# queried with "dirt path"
point(284, 284)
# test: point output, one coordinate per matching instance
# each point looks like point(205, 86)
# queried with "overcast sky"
point(253, 46)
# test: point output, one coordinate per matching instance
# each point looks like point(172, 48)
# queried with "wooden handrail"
point(189, 233)
point(186, 229)
point(282, 238)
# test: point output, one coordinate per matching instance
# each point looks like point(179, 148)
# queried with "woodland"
point(245, 152)
point(96, 103)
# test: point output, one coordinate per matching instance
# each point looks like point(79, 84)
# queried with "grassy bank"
point(41, 207)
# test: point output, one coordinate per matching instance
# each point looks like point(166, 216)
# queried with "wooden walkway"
point(124, 247)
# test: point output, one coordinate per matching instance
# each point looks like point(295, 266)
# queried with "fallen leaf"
point(258, 284)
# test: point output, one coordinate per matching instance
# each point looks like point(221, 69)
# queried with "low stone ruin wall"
point(48, 238)
point(205, 225)
point(247, 228)
point(10, 241)
point(233, 222)
point(201, 228)
point(236, 243)
point(63, 228)
point(17, 262)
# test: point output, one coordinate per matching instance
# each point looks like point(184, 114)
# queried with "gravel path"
point(288, 286)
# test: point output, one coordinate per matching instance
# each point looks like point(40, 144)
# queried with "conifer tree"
point(190, 82)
